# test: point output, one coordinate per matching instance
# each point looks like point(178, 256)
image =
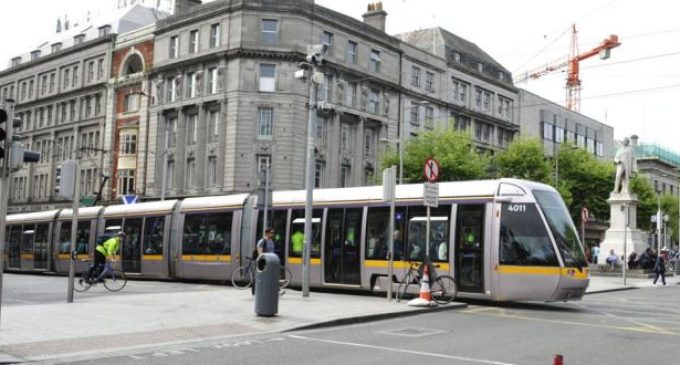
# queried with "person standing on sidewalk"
point(660, 267)
point(264, 245)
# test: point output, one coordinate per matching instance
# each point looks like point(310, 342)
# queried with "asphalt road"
point(26, 289)
point(628, 327)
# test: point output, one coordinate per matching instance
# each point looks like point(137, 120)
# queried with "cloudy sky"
point(635, 91)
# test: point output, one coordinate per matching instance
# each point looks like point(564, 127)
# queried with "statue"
point(626, 167)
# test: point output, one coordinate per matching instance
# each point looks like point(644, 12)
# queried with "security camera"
point(315, 53)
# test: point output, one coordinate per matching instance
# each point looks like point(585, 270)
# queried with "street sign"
point(431, 170)
point(584, 215)
point(129, 199)
point(431, 195)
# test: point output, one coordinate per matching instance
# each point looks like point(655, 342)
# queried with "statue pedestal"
point(613, 238)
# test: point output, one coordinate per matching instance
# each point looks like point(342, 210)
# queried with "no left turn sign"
point(431, 170)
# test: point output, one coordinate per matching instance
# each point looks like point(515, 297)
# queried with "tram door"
point(132, 245)
point(14, 247)
point(469, 268)
point(40, 257)
point(342, 264)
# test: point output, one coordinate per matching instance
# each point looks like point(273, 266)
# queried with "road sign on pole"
point(431, 195)
point(129, 199)
point(431, 170)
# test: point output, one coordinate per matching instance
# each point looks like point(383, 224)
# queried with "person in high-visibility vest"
point(104, 251)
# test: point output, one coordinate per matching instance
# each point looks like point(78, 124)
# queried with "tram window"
point(277, 220)
point(82, 237)
point(27, 238)
point(297, 232)
point(133, 236)
point(207, 234)
point(153, 235)
point(41, 240)
point(439, 233)
point(377, 230)
point(562, 228)
point(524, 239)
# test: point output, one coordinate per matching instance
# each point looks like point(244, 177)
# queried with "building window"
point(90, 71)
point(171, 88)
point(483, 99)
point(318, 174)
point(374, 101)
point(429, 81)
point(191, 173)
point(415, 113)
point(192, 129)
point(270, 31)
point(368, 143)
point(461, 123)
point(75, 76)
point(193, 41)
point(49, 115)
point(172, 48)
point(351, 56)
point(172, 131)
point(480, 67)
point(327, 40)
point(483, 132)
point(320, 136)
point(72, 111)
point(212, 80)
point(460, 90)
point(128, 144)
point(43, 85)
point(52, 83)
point(559, 134)
point(97, 104)
point(267, 77)
point(67, 78)
point(100, 69)
point(30, 89)
point(212, 171)
point(374, 63)
point(504, 107)
point(126, 181)
point(324, 92)
point(345, 138)
point(265, 122)
point(580, 140)
point(547, 131)
point(599, 149)
point(429, 117)
point(215, 35)
point(131, 103)
point(171, 174)
point(590, 145)
point(213, 124)
point(344, 176)
point(415, 76)
point(351, 94)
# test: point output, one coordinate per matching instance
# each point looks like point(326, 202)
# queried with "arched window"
point(133, 65)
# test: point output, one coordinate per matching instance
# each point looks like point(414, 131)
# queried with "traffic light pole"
point(74, 232)
point(4, 187)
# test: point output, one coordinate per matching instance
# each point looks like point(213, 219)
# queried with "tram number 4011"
point(517, 208)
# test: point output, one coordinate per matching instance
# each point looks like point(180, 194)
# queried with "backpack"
point(101, 239)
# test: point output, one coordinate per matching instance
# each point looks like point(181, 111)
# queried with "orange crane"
point(573, 86)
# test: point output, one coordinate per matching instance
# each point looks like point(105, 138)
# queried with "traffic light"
point(64, 180)
point(57, 180)
point(3, 133)
point(19, 155)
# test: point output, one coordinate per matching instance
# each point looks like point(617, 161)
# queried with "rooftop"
point(656, 151)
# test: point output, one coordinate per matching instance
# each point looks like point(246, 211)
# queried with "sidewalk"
point(603, 284)
point(117, 323)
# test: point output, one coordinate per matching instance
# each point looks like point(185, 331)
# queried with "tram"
point(502, 240)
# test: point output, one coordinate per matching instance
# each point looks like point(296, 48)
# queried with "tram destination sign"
point(431, 195)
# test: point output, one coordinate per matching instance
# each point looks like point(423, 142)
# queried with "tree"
point(524, 159)
point(641, 187)
point(454, 150)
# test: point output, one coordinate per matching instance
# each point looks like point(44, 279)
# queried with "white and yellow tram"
point(502, 240)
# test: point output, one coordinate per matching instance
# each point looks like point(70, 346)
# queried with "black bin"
point(267, 285)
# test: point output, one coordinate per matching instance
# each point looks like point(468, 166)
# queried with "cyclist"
point(104, 251)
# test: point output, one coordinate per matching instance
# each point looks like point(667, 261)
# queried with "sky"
point(635, 91)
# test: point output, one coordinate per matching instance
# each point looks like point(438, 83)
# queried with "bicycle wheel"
point(242, 277)
point(81, 282)
point(443, 289)
point(284, 277)
point(402, 289)
point(115, 280)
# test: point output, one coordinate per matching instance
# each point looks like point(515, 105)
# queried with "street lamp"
point(658, 221)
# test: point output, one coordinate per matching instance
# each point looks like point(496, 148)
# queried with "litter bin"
point(267, 285)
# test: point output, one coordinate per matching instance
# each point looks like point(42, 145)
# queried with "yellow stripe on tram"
point(210, 258)
point(80, 256)
point(402, 264)
point(27, 256)
point(544, 270)
point(152, 257)
point(298, 261)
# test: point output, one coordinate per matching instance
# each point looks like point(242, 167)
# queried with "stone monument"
point(622, 201)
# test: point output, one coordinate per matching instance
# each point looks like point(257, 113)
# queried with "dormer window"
point(78, 39)
point(501, 75)
point(104, 30)
point(16, 61)
point(35, 55)
point(56, 47)
point(480, 67)
point(456, 56)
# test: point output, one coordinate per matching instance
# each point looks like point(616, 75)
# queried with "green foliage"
point(669, 205)
point(641, 187)
point(524, 159)
point(458, 158)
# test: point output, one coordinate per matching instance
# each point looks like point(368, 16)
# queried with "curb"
point(376, 317)
point(612, 290)
point(6, 358)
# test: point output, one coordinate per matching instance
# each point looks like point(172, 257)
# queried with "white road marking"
point(391, 349)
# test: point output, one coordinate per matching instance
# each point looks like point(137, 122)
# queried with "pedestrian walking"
point(264, 245)
point(660, 267)
point(596, 252)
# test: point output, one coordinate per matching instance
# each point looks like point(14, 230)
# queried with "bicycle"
point(243, 276)
point(113, 280)
point(442, 287)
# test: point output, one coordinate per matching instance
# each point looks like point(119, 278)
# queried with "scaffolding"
point(658, 152)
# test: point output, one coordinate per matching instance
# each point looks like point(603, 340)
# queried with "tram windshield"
point(562, 228)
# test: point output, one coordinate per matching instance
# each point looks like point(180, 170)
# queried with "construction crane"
point(573, 86)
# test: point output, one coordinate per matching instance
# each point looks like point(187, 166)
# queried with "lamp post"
point(658, 221)
point(625, 234)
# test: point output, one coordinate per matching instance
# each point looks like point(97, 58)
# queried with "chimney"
point(376, 16)
point(184, 6)
point(634, 140)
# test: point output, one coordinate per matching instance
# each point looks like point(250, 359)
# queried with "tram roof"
point(85, 213)
point(146, 208)
point(213, 202)
point(458, 189)
point(32, 217)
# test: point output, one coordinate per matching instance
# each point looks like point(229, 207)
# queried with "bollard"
point(559, 360)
